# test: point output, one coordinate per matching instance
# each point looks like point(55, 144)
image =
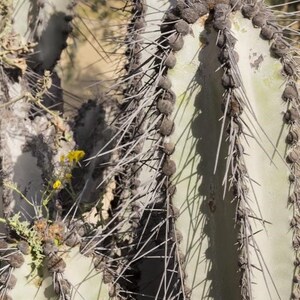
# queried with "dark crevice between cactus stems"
point(98, 235)
point(91, 131)
point(130, 141)
point(97, 177)
point(135, 136)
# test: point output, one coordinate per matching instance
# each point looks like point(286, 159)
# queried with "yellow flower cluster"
point(76, 155)
point(73, 156)
point(57, 184)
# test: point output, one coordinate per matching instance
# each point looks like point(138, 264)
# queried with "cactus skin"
point(193, 204)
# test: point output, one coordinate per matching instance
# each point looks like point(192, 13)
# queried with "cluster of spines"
point(129, 143)
point(174, 27)
point(10, 258)
point(73, 235)
point(55, 238)
point(132, 96)
point(281, 49)
point(232, 106)
point(104, 253)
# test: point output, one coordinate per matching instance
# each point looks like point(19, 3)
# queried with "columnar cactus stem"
point(239, 95)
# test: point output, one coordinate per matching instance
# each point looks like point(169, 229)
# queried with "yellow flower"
point(75, 155)
point(68, 176)
point(56, 185)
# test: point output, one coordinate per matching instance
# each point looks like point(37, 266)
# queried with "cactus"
point(179, 181)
